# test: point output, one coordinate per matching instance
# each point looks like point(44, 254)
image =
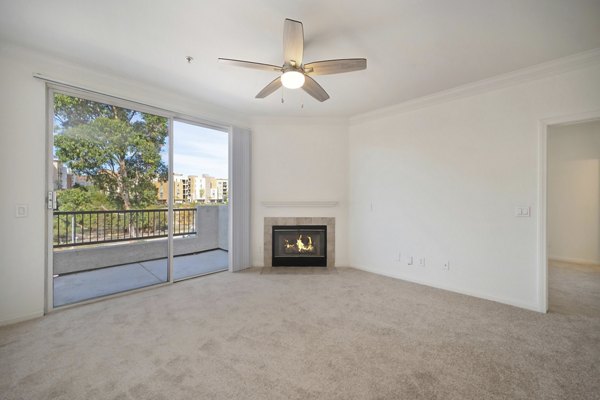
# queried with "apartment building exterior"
point(222, 190)
point(192, 188)
point(64, 178)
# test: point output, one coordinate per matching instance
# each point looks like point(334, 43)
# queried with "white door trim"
point(542, 218)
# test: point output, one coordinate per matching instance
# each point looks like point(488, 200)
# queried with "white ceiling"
point(413, 47)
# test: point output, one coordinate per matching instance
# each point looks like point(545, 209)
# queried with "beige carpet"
point(349, 335)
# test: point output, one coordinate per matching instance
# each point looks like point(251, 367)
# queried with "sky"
point(198, 150)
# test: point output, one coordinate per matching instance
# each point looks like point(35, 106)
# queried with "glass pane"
point(300, 242)
point(201, 200)
point(110, 226)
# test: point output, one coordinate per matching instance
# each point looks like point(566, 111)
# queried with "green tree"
point(82, 198)
point(117, 149)
point(75, 199)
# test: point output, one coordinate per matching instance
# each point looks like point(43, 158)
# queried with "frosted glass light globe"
point(292, 79)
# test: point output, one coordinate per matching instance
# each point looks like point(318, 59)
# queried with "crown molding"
point(539, 71)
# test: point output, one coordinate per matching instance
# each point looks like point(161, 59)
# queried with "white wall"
point(442, 182)
point(23, 157)
point(299, 160)
point(574, 192)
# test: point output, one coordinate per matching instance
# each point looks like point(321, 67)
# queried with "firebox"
point(300, 246)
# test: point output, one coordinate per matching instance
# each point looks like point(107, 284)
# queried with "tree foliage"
point(83, 198)
point(117, 149)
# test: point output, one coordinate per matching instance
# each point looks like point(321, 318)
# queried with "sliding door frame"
point(53, 87)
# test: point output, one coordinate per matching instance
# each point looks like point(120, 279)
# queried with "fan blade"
point(250, 64)
point(314, 89)
point(270, 88)
point(335, 66)
point(293, 42)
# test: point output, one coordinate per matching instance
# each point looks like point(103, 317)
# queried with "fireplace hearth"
point(299, 246)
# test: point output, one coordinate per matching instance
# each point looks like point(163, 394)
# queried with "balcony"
point(97, 253)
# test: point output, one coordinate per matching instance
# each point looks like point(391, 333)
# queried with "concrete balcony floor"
point(86, 285)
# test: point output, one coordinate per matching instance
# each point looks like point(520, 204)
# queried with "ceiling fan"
point(294, 74)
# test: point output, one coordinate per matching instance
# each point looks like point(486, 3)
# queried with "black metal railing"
point(76, 228)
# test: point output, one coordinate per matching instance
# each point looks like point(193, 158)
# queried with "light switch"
point(21, 210)
point(523, 212)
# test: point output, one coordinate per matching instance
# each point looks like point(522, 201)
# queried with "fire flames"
point(302, 245)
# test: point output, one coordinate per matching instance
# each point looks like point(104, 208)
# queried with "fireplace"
point(294, 222)
point(299, 246)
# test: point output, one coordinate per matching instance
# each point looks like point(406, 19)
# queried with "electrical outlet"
point(409, 260)
point(446, 266)
point(523, 211)
point(422, 261)
point(21, 210)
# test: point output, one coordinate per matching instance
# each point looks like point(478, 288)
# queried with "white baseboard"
point(510, 302)
point(21, 319)
point(574, 260)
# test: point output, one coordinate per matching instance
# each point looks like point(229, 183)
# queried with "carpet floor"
point(348, 335)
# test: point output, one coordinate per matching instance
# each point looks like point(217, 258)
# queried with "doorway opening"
point(200, 186)
point(573, 217)
point(569, 217)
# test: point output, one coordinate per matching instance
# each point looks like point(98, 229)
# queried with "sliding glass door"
point(108, 212)
point(136, 197)
point(200, 197)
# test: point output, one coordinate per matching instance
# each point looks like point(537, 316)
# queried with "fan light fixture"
point(294, 72)
point(292, 79)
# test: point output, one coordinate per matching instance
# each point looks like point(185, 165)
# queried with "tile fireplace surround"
point(268, 240)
